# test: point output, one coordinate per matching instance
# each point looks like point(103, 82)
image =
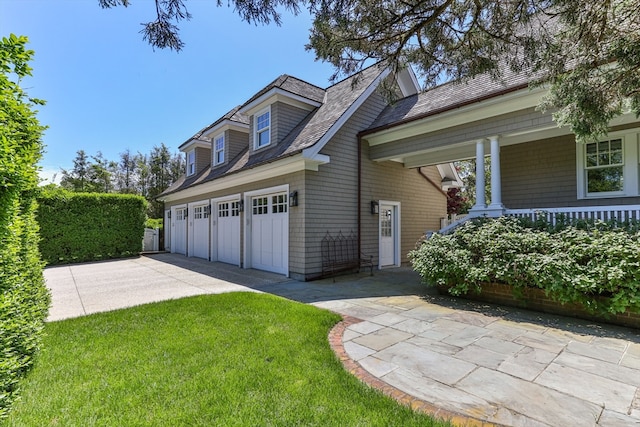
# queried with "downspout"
point(359, 190)
point(430, 181)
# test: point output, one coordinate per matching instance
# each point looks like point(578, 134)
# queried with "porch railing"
point(553, 215)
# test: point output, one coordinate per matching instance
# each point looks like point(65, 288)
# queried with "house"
point(537, 168)
point(272, 178)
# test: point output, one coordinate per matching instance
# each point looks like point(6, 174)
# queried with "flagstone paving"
point(474, 363)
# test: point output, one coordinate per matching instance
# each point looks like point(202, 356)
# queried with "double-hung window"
point(218, 149)
point(604, 167)
point(262, 125)
point(191, 162)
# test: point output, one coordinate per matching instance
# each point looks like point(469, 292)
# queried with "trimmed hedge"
point(595, 265)
point(78, 227)
point(24, 299)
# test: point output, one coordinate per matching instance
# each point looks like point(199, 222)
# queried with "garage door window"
point(235, 208)
point(179, 214)
point(223, 209)
point(260, 205)
point(197, 212)
point(279, 203)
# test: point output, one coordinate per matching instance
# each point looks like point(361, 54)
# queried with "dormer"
point(198, 153)
point(278, 108)
point(228, 136)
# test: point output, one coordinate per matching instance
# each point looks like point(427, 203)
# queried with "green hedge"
point(77, 227)
point(595, 265)
point(24, 299)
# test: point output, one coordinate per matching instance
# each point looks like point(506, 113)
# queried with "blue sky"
point(107, 90)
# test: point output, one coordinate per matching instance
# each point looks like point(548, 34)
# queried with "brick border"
point(420, 405)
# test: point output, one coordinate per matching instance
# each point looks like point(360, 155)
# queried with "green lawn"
point(237, 359)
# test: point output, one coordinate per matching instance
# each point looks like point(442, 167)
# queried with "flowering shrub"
point(596, 265)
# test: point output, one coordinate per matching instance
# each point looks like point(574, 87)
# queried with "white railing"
point(621, 213)
point(604, 213)
point(450, 219)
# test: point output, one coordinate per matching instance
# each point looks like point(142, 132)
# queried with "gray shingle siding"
point(542, 174)
point(203, 159)
point(284, 118)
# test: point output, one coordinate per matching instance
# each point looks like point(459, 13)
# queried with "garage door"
point(270, 233)
point(228, 232)
point(179, 231)
point(199, 230)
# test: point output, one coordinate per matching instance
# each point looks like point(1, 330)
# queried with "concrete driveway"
point(476, 364)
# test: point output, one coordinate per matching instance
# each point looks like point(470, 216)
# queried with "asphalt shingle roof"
point(336, 101)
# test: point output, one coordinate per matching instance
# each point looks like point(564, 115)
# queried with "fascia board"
point(281, 167)
point(193, 143)
point(514, 101)
point(314, 150)
point(278, 95)
point(224, 126)
point(408, 82)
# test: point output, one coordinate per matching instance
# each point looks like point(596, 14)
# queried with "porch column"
point(496, 183)
point(481, 203)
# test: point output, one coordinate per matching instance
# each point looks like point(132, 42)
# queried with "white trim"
point(278, 95)
point(167, 230)
point(247, 196)
point(631, 167)
point(263, 112)
point(225, 126)
point(397, 226)
point(188, 171)
point(215, 150)
point(251, 176)
point(315, 149)
point(213, 239)
point(193, 143)
point(408, 82)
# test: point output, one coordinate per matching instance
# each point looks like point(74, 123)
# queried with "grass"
point(237, 359)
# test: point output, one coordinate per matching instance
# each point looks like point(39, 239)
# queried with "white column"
point(480, 196)
point(496, 182)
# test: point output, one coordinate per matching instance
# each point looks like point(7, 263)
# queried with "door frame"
point(248, 224)
point(213, 250)
point(396, 222)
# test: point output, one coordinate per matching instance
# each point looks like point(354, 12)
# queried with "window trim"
point(191, 165)
point(630, 167)
point(257, 132)
point(216, 138)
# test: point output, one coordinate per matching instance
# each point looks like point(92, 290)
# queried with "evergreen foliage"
point(24, 299)
point(77, 227)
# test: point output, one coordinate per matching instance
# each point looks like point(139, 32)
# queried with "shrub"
point(593, 264)
point(24, 299)
point(77, 227)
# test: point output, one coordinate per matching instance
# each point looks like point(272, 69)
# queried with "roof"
point(292, 85)
point(233, 115)
point(447, 97)
point(336, 102)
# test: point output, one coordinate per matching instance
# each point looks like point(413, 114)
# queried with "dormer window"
point(218, 149)
point(191, 162)
point(262, 126)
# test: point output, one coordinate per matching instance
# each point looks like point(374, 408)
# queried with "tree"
point(587, 52)
point(76, 179)
point(24, 299)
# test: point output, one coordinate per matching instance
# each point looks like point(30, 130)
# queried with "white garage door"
point(179, 231)
point(228, 233)
point(199, 230)
point(270, 233)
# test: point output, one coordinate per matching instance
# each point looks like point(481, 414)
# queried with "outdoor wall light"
point(169, 214)
point(374, 207)
point(241, 205)
point(293, 198)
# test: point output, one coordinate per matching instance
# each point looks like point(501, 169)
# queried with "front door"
point(388, 235)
